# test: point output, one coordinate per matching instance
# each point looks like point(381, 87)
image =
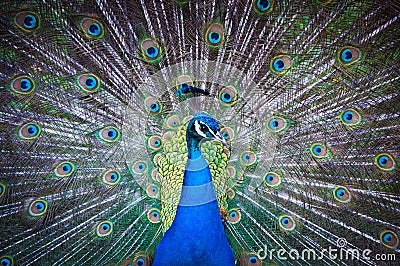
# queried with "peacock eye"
point(277, 124)
point(152, 106)
point(139, 167)
point(151, 50)
point(272, 179)
point(228, 133)
point(253, 260)
point(203, 128)
point(248, 158)
point(342, 194)
point(104, 229)
point(234, 216)
point(92, 28)
point(280, 64)
point(37, 207)
point(111, 177)
point(287, 223)
point(29, 131)
point(250, 259)
point(23, 85)
point(109, 134)
point(154, 215)
point(350, 117)
point(319, 150)
point(349, 55)
point(173, 122)
point(228, 95)
point(389, 239)
point(64, 169)
point(385, 162)
point(152, 191)
point(88, 83)
point(154, 142)
point(141, 261)
point(215, 35)
point(6, 261)
point(262, 7)
point(27, 21)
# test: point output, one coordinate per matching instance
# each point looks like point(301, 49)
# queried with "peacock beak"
point(218, 137)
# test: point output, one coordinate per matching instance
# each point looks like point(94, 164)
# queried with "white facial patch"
point(198, 130)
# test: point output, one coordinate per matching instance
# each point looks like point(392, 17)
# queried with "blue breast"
point(196, 236)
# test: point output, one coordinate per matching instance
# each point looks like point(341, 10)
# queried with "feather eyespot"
point(263, 7)
point(111, 177)
point(6, 261)
point(109, 134)
point(215, 35)
point(228, 95)
point(385, 162)
point(155, 142)
point(389, 239)
point(154, 215)
point(280, 64)
point(228, 133)
point(37, 208)
point(277, 124)
point(349, 55)
point(152, 191)
point(234, 216)
point(350, 117)
point(29, 131)
point(248, 158)
point(342, 194)
point(139, 167)
point(92, 28)
point(250, 259)
point(253, 260)
point(151, 50)
point(152, 106)
point(318, 150)
point(64, 169)
point(173, 122)
point(104, 229)
point(23, 85)
point(141, 260)
point(287, 223)
point(27, 21)
point(272, 179)
point(88, 83)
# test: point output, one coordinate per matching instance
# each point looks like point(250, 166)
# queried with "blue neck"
point(196, 236)
point(193, 146)
point(196, 165)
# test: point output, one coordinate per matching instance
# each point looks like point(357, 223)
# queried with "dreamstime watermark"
point(333, 253)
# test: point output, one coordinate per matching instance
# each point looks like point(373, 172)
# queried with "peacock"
point(199, 132)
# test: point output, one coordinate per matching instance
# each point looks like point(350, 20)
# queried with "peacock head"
point(203, 127)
